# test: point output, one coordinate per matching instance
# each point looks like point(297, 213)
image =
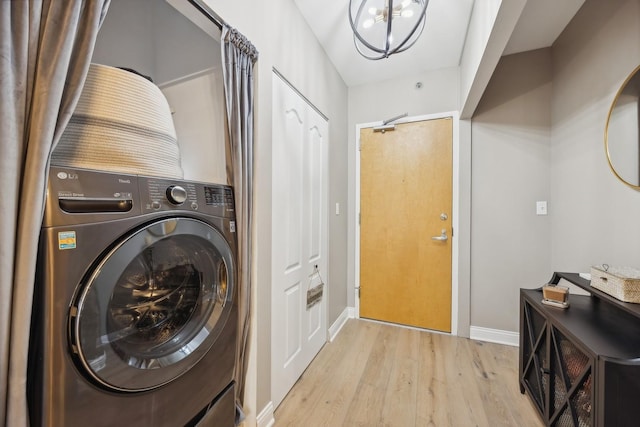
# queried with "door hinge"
point(451, 231)
point(359, 218)
point(358, 291)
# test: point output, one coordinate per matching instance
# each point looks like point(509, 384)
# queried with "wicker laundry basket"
point(622, 283)
point(122, 123)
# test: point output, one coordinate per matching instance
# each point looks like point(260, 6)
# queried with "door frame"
point(455, 246)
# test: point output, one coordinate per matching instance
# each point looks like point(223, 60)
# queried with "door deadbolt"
point(444, 217)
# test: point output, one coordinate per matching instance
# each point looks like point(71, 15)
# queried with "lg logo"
point(65, 175)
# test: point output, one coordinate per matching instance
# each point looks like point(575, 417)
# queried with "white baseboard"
point(494, 335)
point(335, 328)
point(265, 417)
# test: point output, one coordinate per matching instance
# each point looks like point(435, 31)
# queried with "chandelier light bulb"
point(386, 33)
point(407, 13)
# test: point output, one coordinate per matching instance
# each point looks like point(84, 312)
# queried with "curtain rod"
point(206, 10)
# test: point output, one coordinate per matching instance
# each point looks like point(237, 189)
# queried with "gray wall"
point(153, 38)
point(538, 134)
point(285, 42)
point(594, 216)
point(125, 37)
point(511, 132)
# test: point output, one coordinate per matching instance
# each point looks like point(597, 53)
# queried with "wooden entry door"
point(406, 185)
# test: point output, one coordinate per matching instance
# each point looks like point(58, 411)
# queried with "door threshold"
point(400, 325)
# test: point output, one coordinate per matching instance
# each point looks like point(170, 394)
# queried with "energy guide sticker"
point(67, 240)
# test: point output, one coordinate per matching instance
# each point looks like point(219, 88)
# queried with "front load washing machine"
point(135, 305)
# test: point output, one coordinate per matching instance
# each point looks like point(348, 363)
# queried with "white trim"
point(455, 240)
point(356, 267)
point(497, 336)
point(455, 251)
point(265, 417)
point(335, 328)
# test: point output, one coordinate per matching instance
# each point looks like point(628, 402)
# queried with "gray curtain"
point(238, 58)
point(45, 51)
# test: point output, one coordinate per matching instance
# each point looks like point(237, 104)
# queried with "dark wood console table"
point(581, 365)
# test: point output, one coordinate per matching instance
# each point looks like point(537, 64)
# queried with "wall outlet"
point(541, 208)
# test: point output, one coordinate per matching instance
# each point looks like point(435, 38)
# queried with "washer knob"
point(176, 194)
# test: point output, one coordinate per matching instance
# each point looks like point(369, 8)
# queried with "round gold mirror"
point(622, 132)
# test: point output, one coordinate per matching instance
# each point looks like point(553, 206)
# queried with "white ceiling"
point(441, 43)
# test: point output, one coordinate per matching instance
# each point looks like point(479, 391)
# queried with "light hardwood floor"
point(375, 374)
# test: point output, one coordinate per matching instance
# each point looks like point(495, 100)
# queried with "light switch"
point(541, 207)
point(337, 208)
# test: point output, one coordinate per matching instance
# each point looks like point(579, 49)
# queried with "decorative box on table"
point(622, 283)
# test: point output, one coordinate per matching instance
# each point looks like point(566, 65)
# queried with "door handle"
point(442, 237)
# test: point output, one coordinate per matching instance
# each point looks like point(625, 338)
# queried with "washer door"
point(154, 305)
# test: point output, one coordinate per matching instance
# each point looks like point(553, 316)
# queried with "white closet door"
point(299, 226)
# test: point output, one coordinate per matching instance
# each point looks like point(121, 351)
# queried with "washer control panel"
point(218, 196)
point(160, 194)
point(82, 196)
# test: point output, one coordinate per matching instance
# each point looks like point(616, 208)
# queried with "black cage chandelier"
point(384, 27)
